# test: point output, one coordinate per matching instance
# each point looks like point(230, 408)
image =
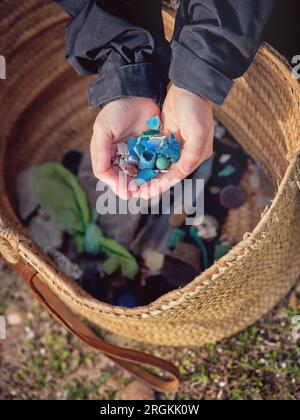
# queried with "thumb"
point(101, 149)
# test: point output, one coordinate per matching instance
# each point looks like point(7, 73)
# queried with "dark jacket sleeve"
point(214, 43)
point(123, 41)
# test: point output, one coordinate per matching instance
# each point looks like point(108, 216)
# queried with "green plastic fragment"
point(152, 133)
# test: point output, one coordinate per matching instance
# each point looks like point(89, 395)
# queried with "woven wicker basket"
point(44, 112)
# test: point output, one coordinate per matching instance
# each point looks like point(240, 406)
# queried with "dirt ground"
point(39, 360)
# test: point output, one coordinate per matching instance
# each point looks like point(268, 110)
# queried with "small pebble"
point(14, 319)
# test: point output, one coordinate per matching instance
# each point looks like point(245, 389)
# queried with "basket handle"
point(131, 360)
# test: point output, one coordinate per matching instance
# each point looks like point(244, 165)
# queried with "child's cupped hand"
point(116, 123)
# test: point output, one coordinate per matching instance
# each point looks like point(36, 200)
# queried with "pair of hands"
point(184, 113)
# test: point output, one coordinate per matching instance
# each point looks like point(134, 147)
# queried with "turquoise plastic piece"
point(177, 235)
point(154, 123)
point(227, 171)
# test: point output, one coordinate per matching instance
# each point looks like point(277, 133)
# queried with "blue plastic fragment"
point(143, 140)
point(154, 123)
point(148, 159)
point(171, 150)
point(127, 300)
point(153, 144)
point(146, 175)
point(131, 145)
point(139, 148)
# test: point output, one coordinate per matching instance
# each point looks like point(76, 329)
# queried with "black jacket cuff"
point(188, 71)
point(134, 80)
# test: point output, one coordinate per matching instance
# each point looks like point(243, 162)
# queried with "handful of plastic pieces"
point(145, 157)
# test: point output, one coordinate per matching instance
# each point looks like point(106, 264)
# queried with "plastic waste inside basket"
point(132, 260)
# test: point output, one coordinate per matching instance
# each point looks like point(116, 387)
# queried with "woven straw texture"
point(243, 220)
point(44, 112)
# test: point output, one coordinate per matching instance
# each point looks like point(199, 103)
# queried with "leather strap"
point(131, 360)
